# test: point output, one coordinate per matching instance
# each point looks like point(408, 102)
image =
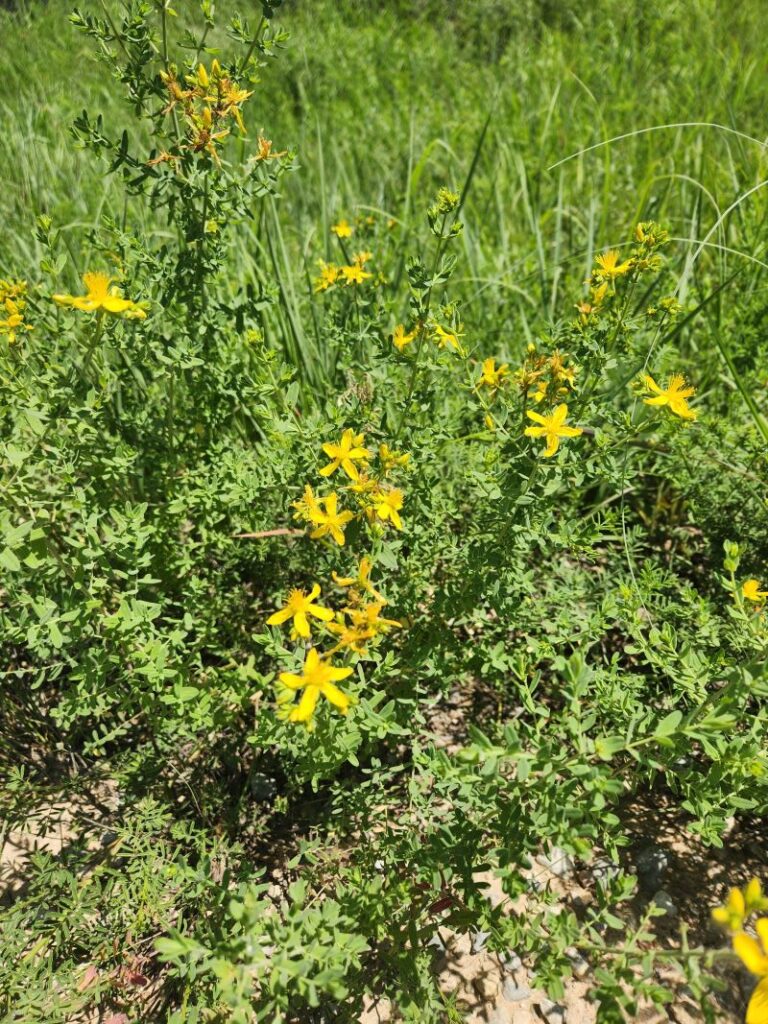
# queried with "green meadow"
point(383, 529)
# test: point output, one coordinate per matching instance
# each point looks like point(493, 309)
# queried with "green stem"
point(423, 330)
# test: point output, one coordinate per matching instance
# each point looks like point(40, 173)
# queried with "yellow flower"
point(492, 377)
point(355, 274)
point(733, 913)
point(265, 151)
point(390, 459)
point(444, 337)
point(298, 606)
point(386, 506)
point(362, 580)
point(329, 520)
point(14, 320)
point(675, 395)
point(551, 427)
point(560, 371)
point(101, 297)
point(609, 265)
point(364, 484)
point(753, 953)
point(329, 275)
point(740, 904)
point(751, 590)
point(365, 624)
point(400, 339)
point(361, 258)
point(317, 678)
point(230, 99)
point(348, 451)
point(306, 504)
point(342, 230)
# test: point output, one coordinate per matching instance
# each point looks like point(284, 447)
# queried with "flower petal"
point(320, 613)
point(292, 681)
point(301, 624)
point(757, 1011)
point(279, 617)
point(336, 697)
point(749, 951)
point(306, 706)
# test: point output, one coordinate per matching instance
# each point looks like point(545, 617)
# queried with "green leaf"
point(669, 724)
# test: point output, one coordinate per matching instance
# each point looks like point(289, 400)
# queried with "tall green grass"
point(385, 101)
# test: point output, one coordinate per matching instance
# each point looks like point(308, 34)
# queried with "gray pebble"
point(664, 901)
point(579, 965)
point(510, 961)
point(263, 787)
point(651, 863)
point(557, 861)
point(479, 940)
point(604, 870)
point(514, 993)
point(553, 1013)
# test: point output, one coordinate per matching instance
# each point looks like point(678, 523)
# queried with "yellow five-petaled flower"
point(362, 580)
point(387, 505)
point(401, 338)
point(492, 376)
point(298, 606)
point(753, 953)
point(348, 451)
point(751, 590)
point(342, 230)
point(552, 428)
point(354, 274)
point(101, 297)
point(445, 337)
point(317, 678)
point(609, 265)
point(675, 396)
point(328, 520)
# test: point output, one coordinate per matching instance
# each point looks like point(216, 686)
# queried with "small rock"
point(604, 870)
point(510, 961)
point(437, 943)
point(651, 863)
point(557, 861)
point(553, 1013)
point(263, 787)
point(479, 940)
point(663, 900)
point(514, 993)
point(579, 965)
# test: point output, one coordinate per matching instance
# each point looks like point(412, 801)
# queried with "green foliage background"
point(592, 602)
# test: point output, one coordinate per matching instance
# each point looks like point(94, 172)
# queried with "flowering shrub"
point(246, 576)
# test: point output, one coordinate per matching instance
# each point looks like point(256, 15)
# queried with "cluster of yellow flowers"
point(546, 378)
point(360, 621)
point(12, 306)
point(609, 266)
point(444, 337)
point(102, 298)
point(208, 100)
point(377, 500)
point(752, 951)
point(351, 273)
